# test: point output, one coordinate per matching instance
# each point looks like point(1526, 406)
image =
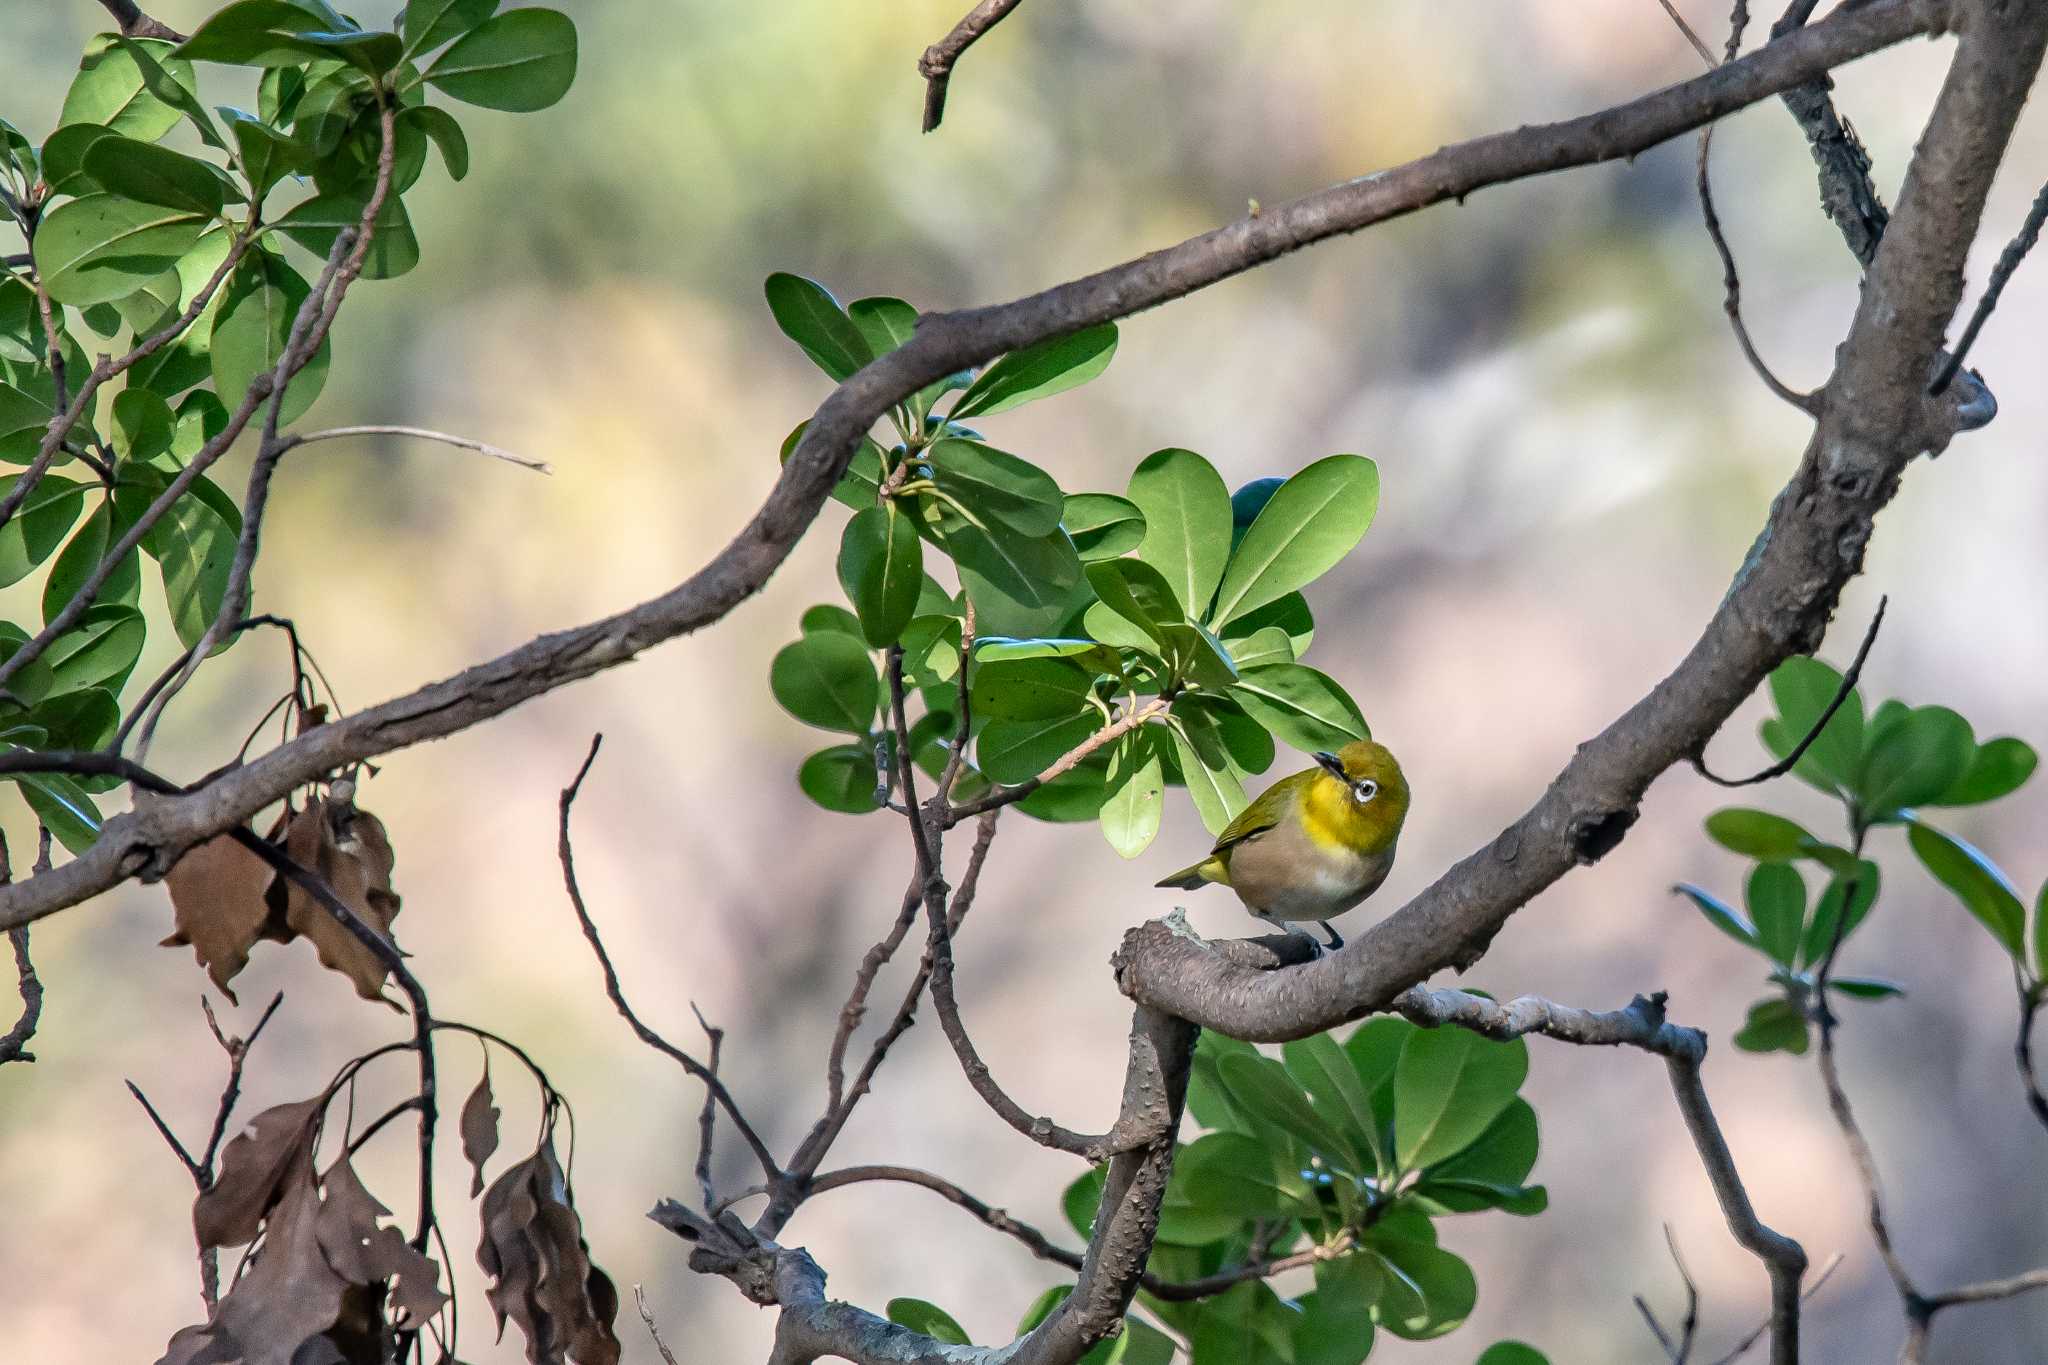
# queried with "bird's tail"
point(1198, 875)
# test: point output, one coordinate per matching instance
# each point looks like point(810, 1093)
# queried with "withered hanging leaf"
point(366, 1251)
point(290, 1294)
point(254, 1168)
point(347, 849)
point(533, 1247)
point(479, 1131)
point(217, 900)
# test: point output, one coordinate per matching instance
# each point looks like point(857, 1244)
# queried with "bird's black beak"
point(1334, 764)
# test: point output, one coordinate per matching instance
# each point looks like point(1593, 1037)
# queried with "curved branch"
point(936, 65)
point(147, 843)
point(1875, 418)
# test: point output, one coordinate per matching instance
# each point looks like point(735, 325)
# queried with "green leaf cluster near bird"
point(1121, 644)
point(1344, 1155)
point(179, 262)
point(1887, 769)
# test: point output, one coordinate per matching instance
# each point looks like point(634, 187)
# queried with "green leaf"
point(1030, 689)
point(100, 651)
point(1820, 929)
point(1866, 987)
point(113, 90)
point(1071, 798)
point(1313, 521)
point(1187, 523)
point(1235, 1176)
point(1758, 834)
point(1999, 767)
point(885, 323)
point(1038, 371)
point(149, 174)
point(1102, 525)
point(1428, 1290)
point(258, 307)
point(193, 544)
point(444, 132)
point(394, 249)
point(39, 525)
point(518, 61)
point(996, 488)
point(63, 158)
point(827, 680)
point(1335, 1325)
point(1448, 1086)
point(82, 554)
point(808, 315)
point(1268, 1089)
point(1264, 647)
point(1720, 914)
point(1512, 1353)
point(103, 247)
point(1079, 1202)
point(827, 617)
point(143, 425)
point(1088, 654)
point(1500, 1158)
point(840, 778)
point(261, 33)
point(63, 806)
point(374, 54)
point(931, 650)
point(1776, 897)
point(1976, 882)
point(1802, 687)
point(1302, 707)
point(1021, 586)
point(1775, 1025)
point(1194, 655)
point(1915, 759)
point(85, 719)
point(881, 566)
point(1339, 1095)
point(1018, 750)
point(429, 23)
point(1214, 781)
point(920, 1316)
point(1139, 593)
point(1137, 792)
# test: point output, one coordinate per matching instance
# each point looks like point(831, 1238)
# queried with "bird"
point(1313, 844)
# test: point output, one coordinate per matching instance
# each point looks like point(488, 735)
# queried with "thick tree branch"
point(1876, 417)
point(147, 844)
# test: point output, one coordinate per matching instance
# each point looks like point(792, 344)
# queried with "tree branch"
point(147, 844)
point(936, 65)
point(136, 24)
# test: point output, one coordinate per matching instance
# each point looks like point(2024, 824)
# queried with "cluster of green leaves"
point(1353, 1151)
point(1086, 605)
point(1887, 769)
point(125, 233)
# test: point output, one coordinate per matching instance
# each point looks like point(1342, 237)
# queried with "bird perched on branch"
point(1312, 845)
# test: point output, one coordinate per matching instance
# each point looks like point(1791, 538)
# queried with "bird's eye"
point(1365, 789)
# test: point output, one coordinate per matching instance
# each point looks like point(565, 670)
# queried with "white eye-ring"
point(1365, 789)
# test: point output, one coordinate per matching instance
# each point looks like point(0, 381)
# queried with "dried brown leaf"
point(347, 849)
point(290, 1294)
point(364, 1250)
point(533, 1247)
point(479, 1131)
point(254, 1168)
point(219, 907)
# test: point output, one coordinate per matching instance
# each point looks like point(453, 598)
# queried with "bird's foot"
point(1336, 939)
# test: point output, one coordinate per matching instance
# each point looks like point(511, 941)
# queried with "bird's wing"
point(1255, 819)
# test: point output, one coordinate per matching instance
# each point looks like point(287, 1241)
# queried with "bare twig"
point(1679, 1351)
point(418, 434)
point(640, 1300)
point(2023, 1054)
point(936, 65)
point(1798, 751)
point(1071, 759)
point(1755, 1334)
point(2001, 274)
point(707, 1120)
point(136, 24)
point(646, 1035)
point(14, 1045)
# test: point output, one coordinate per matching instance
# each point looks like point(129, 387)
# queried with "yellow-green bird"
point(1312, 845)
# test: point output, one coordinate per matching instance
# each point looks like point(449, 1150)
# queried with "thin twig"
point(1798, 751)
point(936, 65)
point(1755, 1334)
point(14, 1046)
point(419, 434)
point(707, 1121)
point(640, 1299)
point(2001, 274)
point(2023, 1054)
point(1071, 759)
point(612, 989)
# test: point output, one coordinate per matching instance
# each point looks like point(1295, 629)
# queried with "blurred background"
point(1574, 460)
